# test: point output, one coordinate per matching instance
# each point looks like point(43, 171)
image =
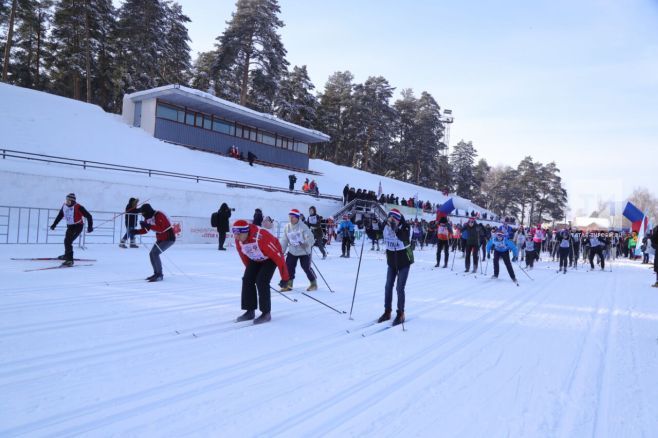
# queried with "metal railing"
point(88, 164)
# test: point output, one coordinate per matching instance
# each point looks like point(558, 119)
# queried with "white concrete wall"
point(128, 111)
point(148, 116)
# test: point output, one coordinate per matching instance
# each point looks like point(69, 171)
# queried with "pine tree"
point(334, 103)
point(140, 42)
point(480, 172)
point(80, 48)
point(295, 102)
point(251, 59)
point(428, 142)
point(175, 63)
point(32, 20)
point(527, 181)
point(371, 124)
point(462, 160)
point(202, 72)
point(406, 135)
point(9, 39)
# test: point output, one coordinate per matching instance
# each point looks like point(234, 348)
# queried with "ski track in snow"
point(89, 353)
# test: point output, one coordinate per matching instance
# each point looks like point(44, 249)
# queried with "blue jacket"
point(502, 246)
point(346, 225)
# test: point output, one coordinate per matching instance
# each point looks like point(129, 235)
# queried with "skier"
point(331, 230)
point(346, 232)
point(596, 245)
point(164, 235)
point(443, 234)
point(519, 240)
point(632, 244)
point(502, 246)
point(298, 240)
point(530, 252)
point(258, 217)
point(73, 213)
point(261, 254)
point(223, 216)
point(131, 223)
point(373, 232)
point(314, 222)
point(564, 243)
point(399, 258)
point(471, 235)
point(654, 243)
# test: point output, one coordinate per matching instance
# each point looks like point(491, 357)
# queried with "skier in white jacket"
point(298, 240)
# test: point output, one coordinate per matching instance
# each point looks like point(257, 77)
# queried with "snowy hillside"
point(42, 123)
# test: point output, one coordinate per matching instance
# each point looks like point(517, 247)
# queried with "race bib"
point(69, 214)
point(313, 220)
point(295, 238)
point(253, 252)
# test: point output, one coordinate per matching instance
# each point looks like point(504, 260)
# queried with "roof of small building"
point(209, 104)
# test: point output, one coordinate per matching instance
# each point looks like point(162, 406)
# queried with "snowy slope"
point(95, 351)
point(38, 122)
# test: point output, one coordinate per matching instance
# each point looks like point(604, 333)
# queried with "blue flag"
point(632, 213)
point(447, 207)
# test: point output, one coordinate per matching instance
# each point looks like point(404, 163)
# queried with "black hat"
point(147, 211)
point(71, 196)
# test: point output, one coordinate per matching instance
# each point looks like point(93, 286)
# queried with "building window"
point(207, 122)
point(169, 113)
point(245, 132)
point(301, 147)
point(267, 138)
point(223, 127)
point(189, 118)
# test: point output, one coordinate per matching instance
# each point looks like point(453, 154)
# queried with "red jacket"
point(161, 225)
point(261, 245)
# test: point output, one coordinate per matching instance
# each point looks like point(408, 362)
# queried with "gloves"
point(52, 227)
point(90, 229)
point(145, 225)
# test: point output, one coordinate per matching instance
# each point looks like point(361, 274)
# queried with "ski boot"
point(123, 244)
point(655, 284)
point(62, 257)
point(399, 318)
point(133, 244)
point(263, 318)
point(494, 277)
point(68, 263)
point(286, 286)
point(312, 287)
point(246, 316)
point(154, 278)
point(385, 316)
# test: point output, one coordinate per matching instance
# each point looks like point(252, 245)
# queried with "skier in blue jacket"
point(502, 246)
point(346, 231)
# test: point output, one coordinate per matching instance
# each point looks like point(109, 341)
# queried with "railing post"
point(84, 165)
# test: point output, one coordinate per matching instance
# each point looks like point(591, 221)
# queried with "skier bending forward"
point(502, 246)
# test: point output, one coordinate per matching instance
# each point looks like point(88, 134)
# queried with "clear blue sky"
point(571, 81)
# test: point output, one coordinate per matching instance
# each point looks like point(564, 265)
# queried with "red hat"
point(294, 212)
point(240, 226)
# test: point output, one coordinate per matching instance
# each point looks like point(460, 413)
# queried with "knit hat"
point(345, 216)
point(395, 213)
point(294, 212)
point(71, 196)
point(240, 226)
point(147, 211)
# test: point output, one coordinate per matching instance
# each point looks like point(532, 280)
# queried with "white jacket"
point(297, 239)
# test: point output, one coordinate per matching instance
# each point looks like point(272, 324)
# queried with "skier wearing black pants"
point(575, 252)
point(298, 240)
point(530, 252)
point(73, 213)
point(399, 258)
point(564, 244)
point(502, 246)
point(346, 231)
point(443, 235)
point(596, 245)
point(472, 241)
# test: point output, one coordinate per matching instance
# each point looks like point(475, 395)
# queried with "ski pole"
point(524, 271)
point(294, 300)
point(322, 276)
point(121, 214)
point(356, 281)
point(454, 256)
point(487, 267)
point(323, 303)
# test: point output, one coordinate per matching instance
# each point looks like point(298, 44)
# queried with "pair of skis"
point(41, 259)
point(374, 327)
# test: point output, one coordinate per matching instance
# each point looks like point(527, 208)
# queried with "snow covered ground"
point(96, 351)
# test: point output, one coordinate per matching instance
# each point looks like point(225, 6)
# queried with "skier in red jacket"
point(73, 213)
point(261, 254)
point(164, 234)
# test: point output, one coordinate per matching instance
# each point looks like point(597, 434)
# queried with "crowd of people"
point(262, 253)
point(352, 193)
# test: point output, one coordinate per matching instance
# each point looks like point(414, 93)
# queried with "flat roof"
point(207, 103)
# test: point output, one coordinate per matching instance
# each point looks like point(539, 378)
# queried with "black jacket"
point(404, 257)
point(258, 217)
point(472, 235)
point(131, 213)
point(224, 214)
